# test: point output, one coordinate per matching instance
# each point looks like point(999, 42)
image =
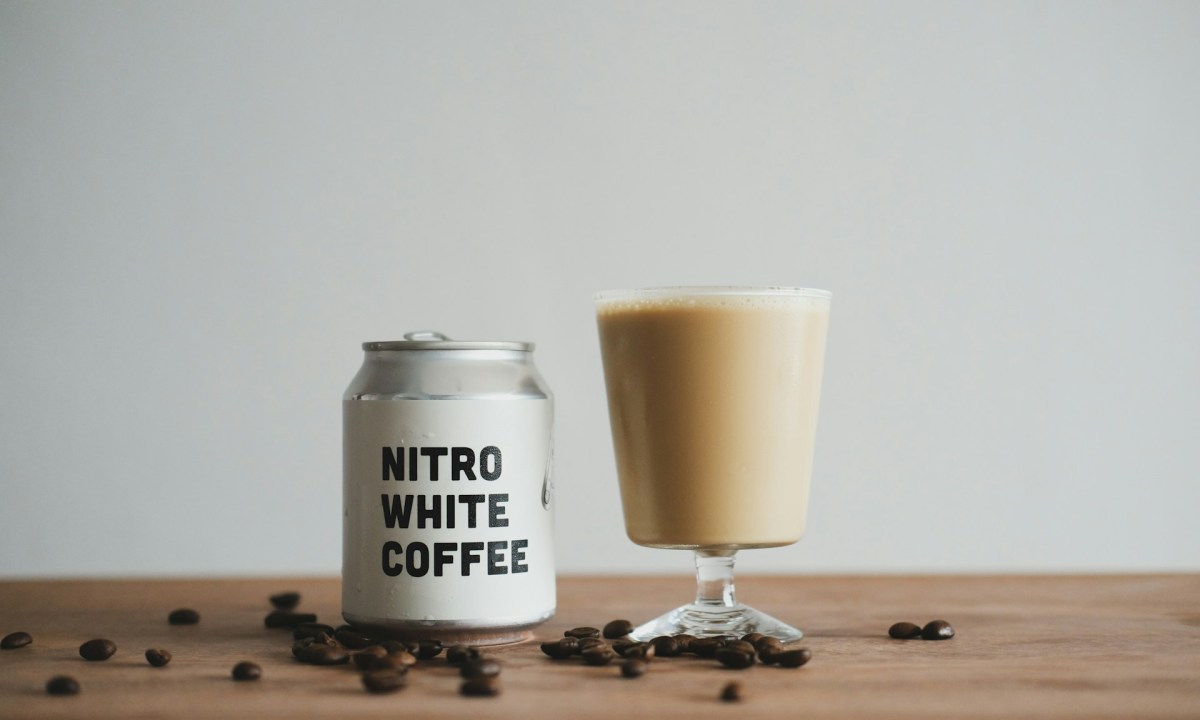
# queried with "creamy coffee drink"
point(713, 401)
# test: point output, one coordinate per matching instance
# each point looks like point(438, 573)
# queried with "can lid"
point(434, 340)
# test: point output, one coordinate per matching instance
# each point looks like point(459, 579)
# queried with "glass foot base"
point(709, 621)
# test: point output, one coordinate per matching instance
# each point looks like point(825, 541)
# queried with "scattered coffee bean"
point(322, 654)
point(792, 658)
point(62, 685)
point(480, 687)
point(311, 629)
point(705, 647)
point(633, 667)
point(285, 600)
point(740, 646)
point(588, 644)
point(183, 616)
point(558, 650)
point(734, 658)
point(287, 619)
point(904, 631)
point(937, 630)
point(15, 640)
point(599, 655)
point(753, 637)
point(618, 629)
point(685, 642)
point(98, 649)
point(665, 646)
point(246, 671)
point(400, 659)
point(459, 654)
point(383, 681)
point(429, 649)
point(397, 646)
point(624, 644)
point(158, 657)
point(369, 657)
point(353, 639)
point(643, 651)
point(582, 632)
point(732, 692)
point(482, 667)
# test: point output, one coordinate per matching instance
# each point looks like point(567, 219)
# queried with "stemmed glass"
point(712, 399)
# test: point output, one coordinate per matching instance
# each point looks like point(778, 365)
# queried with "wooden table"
point(1027, 646)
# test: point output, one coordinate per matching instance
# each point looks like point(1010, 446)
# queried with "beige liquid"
point(713, 405)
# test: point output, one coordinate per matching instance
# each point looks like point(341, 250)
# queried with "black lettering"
point(496, 510)
point(449, 512)
point(393, 464)
point(493, 452)
point(461, 463)
point(429, 510)
point(412, 463)
point(518, 547)
point(433, 454)
point(471, 501)
point(496, 557)
point(442, 557)
point(469, 556)
point(390, 568)
point(396, 510)
point(415, 568)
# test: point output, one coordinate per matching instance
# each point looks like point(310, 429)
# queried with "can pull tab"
point(425, 336)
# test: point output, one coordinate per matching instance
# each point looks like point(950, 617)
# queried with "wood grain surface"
point(1028, 646)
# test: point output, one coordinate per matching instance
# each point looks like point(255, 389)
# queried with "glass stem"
point(714, 579)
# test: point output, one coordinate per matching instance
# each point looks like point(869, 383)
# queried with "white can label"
point(447, 511)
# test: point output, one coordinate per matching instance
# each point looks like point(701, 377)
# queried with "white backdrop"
point(205, 208)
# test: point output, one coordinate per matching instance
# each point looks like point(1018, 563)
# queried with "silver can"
point(448, 519)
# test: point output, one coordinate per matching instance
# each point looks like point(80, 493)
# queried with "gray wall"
point(206, 207)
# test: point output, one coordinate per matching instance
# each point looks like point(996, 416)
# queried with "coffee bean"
point(353, 639)
point(705, 647)
point(632, 668)
point(599, 655)
point(322, 654)
point(287, 619)
point(98, 649)
point(732, 692)
point(740, 646)
point(246, 671)
point(588, 644)
point(904, 631)
point(733, 658)
point(396, 646)
point(573, 644)
point(685, 642)
point(15, 640)
point(285, 600)
point(558, 650)
point(383, 681)
point(183, 616)
point(429, 649)
point(398, 659)
point(582, 632)
point(665, 646)
point(369, 657)
point(459, 654)
point(311, 629)
point(753, 637)
point(482, 667)
point(937, 630)
point(767, 642)
point(792, 658)
point(643, 651)
point(158, 657)
point(480, 687)
point(622, 645)
point(62, 685)
point(617, 629)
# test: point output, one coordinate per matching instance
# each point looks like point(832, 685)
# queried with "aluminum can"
point(448, 518)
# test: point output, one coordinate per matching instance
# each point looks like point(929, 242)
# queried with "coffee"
point(713, 405)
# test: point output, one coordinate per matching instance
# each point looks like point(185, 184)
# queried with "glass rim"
point(702, 291)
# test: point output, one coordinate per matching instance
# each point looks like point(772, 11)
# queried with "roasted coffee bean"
point(399, 659)
point(633, 667)
point(559, 651)
point(183, 616)
point(429, 649)
point(599, 655)
point(792, 658)
point(311, 629)
point(15, 640)
point(383, 681)
point(582, 632)
point(285, 600)
point(572, 644)
point(904, 631)
point(617, 629)
point(246, 671)
point(937, 630)
point(394, 646)
point(353, 639)
point(588, 644)
point(740, 646)
point(459, 654)
point(732, 692)
point(480, 687)
point(643, 651)
point(158, 657)
point(685, 642)
point(98, 649)
point(481, 667)
point(767, 642)
point(287, 619)
point(665, 646)
point(369, 657)
point(322, 654)
point(753, 637)
point(622, 645)
point(705, 647)
point(733, 658)
point(62, 685)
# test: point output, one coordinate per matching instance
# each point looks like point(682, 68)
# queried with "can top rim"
point(410, 345)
